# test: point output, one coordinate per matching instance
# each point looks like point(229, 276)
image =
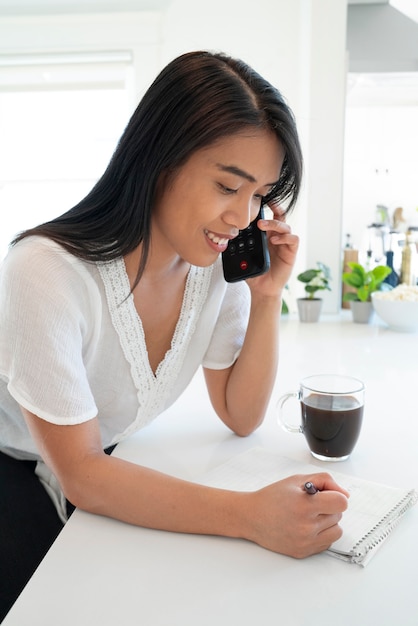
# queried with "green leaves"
point(363, 281)
point(308, 275)
point(316, 279)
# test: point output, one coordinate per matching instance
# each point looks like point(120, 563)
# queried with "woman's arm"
point(240, 394)
point(280, 517)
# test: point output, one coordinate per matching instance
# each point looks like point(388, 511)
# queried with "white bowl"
point(398, 308)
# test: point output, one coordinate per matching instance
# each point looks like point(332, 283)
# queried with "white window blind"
point(60, 119)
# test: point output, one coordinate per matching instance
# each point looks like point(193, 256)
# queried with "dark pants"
point(29, 525)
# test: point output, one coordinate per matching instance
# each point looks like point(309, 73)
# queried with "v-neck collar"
point(152, 388)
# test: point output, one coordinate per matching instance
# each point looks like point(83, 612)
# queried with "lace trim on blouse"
point(152, 390)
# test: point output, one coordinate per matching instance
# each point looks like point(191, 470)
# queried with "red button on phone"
point(243, 265)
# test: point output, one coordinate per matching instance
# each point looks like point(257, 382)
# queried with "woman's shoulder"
point(38, 261)
point(38, 252)
point(36, 248)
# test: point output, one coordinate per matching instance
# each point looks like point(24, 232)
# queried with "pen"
point(310, 488)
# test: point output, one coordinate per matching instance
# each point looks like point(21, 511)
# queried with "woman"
point(108, 310)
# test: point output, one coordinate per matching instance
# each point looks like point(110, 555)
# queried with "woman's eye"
point(227, 190)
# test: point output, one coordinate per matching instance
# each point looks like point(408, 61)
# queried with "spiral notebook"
point(373, 512)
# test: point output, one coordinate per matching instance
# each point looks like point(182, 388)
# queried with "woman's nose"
point(244, 214)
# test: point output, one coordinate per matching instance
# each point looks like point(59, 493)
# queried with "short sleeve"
point(230, 328)
point(46, 302)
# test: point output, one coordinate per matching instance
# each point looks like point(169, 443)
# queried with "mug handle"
point(290, 428)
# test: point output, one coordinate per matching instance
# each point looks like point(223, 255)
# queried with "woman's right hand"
point(281, 517)
point(284, 518)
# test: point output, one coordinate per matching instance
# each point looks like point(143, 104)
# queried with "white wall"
point(291, 43)
point(299, 45)
point(381, 158)
point(326, 102)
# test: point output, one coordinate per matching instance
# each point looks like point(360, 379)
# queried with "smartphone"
point(247, 255)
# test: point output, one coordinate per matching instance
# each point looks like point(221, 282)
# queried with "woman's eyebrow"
point(234, 169)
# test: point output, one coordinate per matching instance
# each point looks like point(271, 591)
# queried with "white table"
point(100, 571)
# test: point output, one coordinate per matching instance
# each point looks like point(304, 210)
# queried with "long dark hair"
point(197, 99)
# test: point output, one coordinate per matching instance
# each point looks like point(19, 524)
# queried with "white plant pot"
point(362, 311)
point(309, 309)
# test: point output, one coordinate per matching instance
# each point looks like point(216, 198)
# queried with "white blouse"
point(72, 345)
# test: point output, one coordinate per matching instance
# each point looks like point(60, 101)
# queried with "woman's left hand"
point(240, 393)
point(283, 247)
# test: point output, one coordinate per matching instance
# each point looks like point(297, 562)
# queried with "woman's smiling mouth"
point(218, 242)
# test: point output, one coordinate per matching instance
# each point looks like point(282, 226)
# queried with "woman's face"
point(214, 194)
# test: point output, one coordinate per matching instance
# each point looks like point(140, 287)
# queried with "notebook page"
point(253, 470)
point(370, 504)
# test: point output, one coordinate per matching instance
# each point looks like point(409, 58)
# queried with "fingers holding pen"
point(323, 482)
point(333, 499)
point(291, 521)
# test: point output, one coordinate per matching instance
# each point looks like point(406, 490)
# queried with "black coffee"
point(331, 425)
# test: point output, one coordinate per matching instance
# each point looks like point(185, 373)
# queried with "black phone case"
point(247, 255)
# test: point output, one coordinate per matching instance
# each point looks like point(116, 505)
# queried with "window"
point(60, 119)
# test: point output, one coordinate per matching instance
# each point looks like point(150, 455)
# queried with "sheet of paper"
point(370, 504)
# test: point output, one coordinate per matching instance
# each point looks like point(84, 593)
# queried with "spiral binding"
point(382, 530)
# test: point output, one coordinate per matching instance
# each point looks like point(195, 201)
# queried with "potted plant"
point(314, 280)
point(285, 306)
point(364, 282)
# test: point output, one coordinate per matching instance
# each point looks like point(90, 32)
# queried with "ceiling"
point(48, 7)
point(43, 7)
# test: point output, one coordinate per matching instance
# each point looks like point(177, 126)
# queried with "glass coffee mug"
point(331, 414)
